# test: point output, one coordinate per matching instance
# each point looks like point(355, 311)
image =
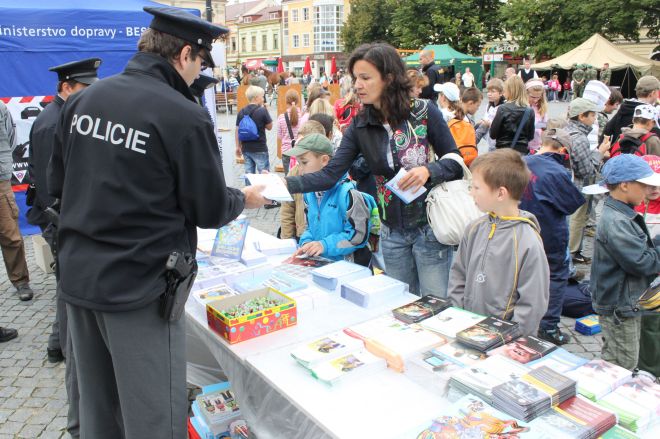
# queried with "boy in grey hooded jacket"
point(501, 269)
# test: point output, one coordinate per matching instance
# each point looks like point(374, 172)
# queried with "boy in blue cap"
point(625, 259)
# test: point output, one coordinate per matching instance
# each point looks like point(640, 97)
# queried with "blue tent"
point(36, 35)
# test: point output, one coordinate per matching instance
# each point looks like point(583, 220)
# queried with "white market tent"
point(597, 51)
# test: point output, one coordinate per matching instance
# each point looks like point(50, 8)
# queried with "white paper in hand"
point(406, 196)
point(275, 188)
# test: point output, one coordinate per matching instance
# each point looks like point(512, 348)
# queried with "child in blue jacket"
point(552, 196)
point(339, 220)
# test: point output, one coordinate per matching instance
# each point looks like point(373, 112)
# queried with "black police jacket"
point(135, 163)
point(42, 136)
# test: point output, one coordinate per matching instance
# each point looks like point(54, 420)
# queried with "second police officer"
point(135, 165)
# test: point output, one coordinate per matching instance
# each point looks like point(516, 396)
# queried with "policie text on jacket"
point(114, 133)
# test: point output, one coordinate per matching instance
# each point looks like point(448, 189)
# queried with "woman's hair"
point(514, 89)
point(314, 91)
point(395, 97)
point(456, 108)
point(293, 98)
point(417, 78)
point(321, 106)
point(543, 102)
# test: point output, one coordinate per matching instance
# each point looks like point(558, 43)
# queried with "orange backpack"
point(466, 140)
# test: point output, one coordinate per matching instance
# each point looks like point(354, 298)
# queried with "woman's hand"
point(415, 178)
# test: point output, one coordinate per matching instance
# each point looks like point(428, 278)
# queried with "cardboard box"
point(255, 324)
point(42, 254)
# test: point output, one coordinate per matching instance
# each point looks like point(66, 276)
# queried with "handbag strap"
point(523, 121)
point(288, 126)
point(467, 175)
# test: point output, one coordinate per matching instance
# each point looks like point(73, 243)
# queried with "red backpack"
point(630, 145)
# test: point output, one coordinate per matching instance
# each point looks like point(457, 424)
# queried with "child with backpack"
point(251, 125)
point(340, 221)
point(639, 139)
point(457, 120)
point(471, 101)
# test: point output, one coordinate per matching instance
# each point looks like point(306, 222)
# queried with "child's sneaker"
point(554, 336)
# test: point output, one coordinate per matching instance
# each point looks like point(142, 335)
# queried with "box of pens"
point(252, 314)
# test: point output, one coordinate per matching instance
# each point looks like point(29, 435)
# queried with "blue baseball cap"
point(629, 167)
point(624, 167)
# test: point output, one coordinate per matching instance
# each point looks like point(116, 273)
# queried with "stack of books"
point(525, 349)
point(480, 379)
point(470, 418)
point(452, 321)
point(333, 275)
point(372, 292)
point(214, 409)
point(636, 403)
point(434, 368)
point(326, 348)
point(421, 309)
point(533, 393)
point(618, 432)
point(597, 378)
point(393, 340)
point(560, 360)
point(588, 325)
point(488, 334)
point(576, 418)
point(350, 366)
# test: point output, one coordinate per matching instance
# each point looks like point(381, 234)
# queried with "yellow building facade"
point(312, 28)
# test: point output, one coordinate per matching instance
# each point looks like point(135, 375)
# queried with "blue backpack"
point(247, 128)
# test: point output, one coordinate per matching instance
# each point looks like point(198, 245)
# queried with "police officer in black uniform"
point(135, 166)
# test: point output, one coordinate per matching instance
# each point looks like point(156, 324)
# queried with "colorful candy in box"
point(252, 314)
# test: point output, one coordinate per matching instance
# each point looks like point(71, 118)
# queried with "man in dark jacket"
point(551, 196)
point(135, 164)
point(431, 70)
point(647, 90)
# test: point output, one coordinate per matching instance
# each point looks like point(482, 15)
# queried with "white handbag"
point(449, 206)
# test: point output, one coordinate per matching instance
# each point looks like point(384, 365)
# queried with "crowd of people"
point(516, 261)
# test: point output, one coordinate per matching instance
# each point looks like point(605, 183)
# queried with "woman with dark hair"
point(395, 131)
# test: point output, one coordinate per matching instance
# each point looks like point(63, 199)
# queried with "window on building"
point(276, 42)
point(294, 15)
point(296, 41)
point(264, 42)
point(305, 14)
point(254, 43)
point(233, 44)
point(247, 19)
point(244, 44)
point(305, 40)
point(328, 22)
point(273, 15)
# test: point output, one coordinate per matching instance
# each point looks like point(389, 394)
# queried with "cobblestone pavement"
point(32, 395)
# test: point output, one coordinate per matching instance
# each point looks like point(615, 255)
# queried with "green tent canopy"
point(447, 56)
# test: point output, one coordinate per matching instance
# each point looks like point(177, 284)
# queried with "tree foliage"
point(369, 21)
point(466, 26)
point(553, 27)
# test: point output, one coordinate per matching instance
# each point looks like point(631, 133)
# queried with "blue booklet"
point(230, 239)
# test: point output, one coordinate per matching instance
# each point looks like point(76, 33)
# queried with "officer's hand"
point(253, 197)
